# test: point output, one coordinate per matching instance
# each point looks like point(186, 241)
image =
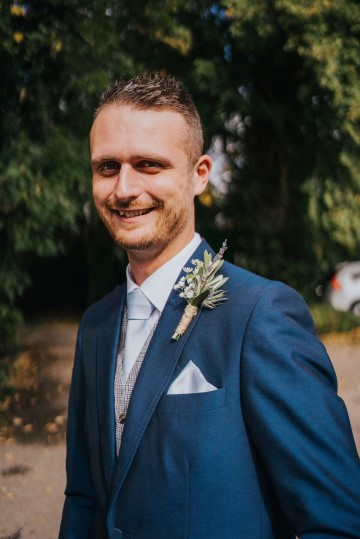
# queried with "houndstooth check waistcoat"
point(123, 388)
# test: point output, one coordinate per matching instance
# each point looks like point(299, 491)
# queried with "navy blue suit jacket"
point(269, 454)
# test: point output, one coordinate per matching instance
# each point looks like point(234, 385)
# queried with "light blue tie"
point(139, 310)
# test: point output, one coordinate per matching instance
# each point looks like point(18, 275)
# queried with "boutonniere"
point(200, 287)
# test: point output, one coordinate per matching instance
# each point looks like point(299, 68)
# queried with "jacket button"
point(116, 534)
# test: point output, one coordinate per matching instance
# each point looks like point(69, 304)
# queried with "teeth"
point(132, 213)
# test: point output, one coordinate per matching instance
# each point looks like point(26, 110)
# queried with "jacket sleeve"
point(298, 423)
point(79, 512)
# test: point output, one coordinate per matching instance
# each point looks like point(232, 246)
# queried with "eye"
point(109, 168)
point(150, 166)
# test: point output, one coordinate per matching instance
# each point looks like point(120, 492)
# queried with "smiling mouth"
point(133, 213)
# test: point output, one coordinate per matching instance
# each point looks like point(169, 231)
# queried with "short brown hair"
point(154, 90)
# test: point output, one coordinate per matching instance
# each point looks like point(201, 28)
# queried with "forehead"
point(124, 125)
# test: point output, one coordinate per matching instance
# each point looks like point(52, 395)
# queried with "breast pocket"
point(192, 402)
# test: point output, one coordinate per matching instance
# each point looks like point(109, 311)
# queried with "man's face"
point(143, 185)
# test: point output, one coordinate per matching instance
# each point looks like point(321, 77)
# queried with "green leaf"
point(220, 283)
point(207, 258)
point(216, 268)
point(200, 298)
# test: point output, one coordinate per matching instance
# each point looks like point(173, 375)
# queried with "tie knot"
point(138, 305)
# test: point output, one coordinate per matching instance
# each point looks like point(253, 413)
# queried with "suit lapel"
point(108, 343)
point(158, 366)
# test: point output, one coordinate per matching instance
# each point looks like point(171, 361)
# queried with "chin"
point(131, 243)
point(151, 238)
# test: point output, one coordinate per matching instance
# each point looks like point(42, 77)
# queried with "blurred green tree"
point(292, 209)
point(275, 80)
point(56, 58)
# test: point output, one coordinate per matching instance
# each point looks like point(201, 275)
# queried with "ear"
point(201, 174)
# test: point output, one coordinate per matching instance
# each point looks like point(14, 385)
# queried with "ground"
point(32, 433)
point(32, 447)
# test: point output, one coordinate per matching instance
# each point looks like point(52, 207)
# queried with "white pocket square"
point(190, 380)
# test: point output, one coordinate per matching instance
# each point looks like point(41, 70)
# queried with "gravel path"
point(32, 449)
point(32, 452)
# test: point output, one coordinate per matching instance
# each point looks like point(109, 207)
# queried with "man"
point(235, 430)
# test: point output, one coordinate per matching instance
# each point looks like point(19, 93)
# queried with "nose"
point(128, 185)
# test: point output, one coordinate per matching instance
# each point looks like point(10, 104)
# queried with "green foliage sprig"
point(201, 287)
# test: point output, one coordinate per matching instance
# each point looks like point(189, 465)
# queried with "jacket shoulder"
point(245, 278)
point(252, 288)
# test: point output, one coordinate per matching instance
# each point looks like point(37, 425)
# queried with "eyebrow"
point(101, 159)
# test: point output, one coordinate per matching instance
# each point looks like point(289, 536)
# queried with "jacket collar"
point(107, 348)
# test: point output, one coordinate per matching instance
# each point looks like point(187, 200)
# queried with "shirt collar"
point(158, 285)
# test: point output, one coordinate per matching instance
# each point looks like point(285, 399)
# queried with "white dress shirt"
point(158, 285)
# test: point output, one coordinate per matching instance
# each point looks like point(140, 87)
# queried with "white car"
point(344, 288)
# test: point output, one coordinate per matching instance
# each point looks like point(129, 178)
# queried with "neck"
point(143, 264)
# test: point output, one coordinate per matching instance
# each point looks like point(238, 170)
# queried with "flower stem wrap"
point(189, 313)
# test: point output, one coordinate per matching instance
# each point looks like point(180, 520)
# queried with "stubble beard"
point(170, 222)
